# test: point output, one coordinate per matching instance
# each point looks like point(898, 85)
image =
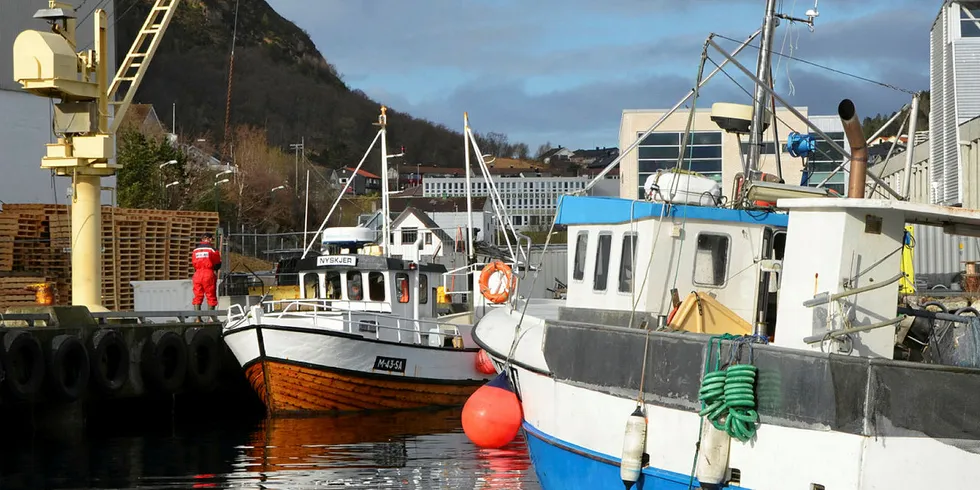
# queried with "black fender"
point(203, 359)
point(164, 363)
point(109, 359)
point(23, 362)
point(68, 368)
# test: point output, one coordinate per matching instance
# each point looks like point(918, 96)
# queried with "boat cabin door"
point(773, 247)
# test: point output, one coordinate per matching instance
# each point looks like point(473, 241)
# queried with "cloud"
point(565, 71)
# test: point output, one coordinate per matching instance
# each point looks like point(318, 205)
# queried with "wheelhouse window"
point(376, 286)
point(581, 244)
point(711, 260)
point(333, 285)
point(601, 277)
point(311, 285)
point(423, 289)
point(355, 290)
point(401, 283)
point(627, 263)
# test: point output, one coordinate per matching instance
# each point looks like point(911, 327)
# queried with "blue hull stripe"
point(589, 210)
point(562, 465)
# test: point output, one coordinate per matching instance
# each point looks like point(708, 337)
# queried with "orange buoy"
point(492, 415)
point(483, 363)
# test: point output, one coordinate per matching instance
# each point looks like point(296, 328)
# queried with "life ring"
point(68, 368)
point(203, 359)
point(24, 364)
point(164, 363)
point(488, 271)
point(109, 360)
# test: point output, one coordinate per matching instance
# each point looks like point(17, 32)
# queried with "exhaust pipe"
point(859, 149)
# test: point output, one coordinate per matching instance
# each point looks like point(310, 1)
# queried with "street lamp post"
point(162, 180)
point(222, 181)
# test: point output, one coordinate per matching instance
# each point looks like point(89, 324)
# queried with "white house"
point(449, 213)
point(411, 223)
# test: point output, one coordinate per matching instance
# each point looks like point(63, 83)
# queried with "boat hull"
point(827, 421)
point(561, 464)
point(307, 370)
point(286, 387)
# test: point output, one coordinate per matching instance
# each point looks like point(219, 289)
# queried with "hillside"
point(282, 84)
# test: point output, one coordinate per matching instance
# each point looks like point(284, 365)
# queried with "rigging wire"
point(776, 116)
point(824, 67)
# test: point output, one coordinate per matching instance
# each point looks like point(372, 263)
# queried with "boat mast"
point(383, 122)
point(760, 104)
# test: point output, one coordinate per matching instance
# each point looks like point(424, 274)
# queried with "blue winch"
point(800, 145)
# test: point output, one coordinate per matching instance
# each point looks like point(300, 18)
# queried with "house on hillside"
point(411, 224)
point(556, 154)
point(450, 215)
point(362, 182)
point(588, 157)
point(143, 118)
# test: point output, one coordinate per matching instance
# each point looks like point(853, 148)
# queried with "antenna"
point(811, 16)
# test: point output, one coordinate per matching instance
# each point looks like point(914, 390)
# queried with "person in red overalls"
point(207, 262)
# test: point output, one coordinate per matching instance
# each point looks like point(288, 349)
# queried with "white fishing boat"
point(792, 364)
point(366, 331)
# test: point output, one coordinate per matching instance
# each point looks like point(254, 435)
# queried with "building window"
point(376, 286)
point(401, 282)
point(627, 262)
point(711, 260)
point(423, 289)
point(581, 243)
point(824, 160)
point(409, 235)
point(428, 238)
point(768, 148)
point(659, 151)
point(969, 22)
point(601, 277)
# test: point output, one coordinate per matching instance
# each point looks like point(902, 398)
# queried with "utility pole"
point(297, 147)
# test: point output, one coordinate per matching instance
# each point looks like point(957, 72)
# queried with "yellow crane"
point(47, 64)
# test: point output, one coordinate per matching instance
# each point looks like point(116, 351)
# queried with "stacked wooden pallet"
point(138, 245)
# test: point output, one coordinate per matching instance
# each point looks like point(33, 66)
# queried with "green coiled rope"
point(727, 394)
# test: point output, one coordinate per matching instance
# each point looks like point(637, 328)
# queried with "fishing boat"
point(366, 331)
point(758, 344)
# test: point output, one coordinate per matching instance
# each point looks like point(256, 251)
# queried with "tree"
point(522, 151)
point(141, 182)
point(538, 155)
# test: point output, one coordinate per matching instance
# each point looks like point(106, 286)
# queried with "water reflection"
point(412, 450)
point(423, 450)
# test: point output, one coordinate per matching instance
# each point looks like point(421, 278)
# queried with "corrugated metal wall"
point(938, 257)
point(554, 264)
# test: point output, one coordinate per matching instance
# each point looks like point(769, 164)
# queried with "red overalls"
point(206, 261)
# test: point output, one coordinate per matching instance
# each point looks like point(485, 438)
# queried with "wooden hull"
point(286, 388)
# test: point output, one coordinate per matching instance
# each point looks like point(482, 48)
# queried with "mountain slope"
point(281, 83)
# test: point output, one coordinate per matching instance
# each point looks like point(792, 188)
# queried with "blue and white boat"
point(753, 346)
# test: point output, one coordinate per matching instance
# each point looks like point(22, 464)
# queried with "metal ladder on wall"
point(138, 58)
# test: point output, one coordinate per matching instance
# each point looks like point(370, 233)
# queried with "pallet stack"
point(138, 245)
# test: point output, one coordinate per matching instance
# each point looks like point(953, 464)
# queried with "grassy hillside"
point(282, 84)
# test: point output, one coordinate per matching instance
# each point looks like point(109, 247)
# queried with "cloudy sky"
point(563, 70)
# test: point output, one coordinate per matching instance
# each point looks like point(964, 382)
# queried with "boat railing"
point(324, 305)
point(360, 322)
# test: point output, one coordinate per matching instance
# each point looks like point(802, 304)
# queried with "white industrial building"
point(530, 202)
point(715, 153)
point(26, 125)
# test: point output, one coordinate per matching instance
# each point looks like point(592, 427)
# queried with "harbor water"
point(412, 450)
